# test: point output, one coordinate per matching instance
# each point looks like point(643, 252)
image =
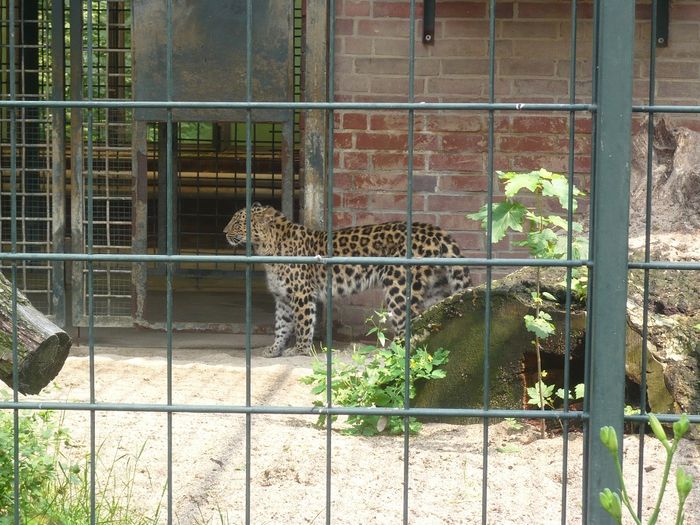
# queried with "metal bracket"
point(662, 20)
point(428, 21)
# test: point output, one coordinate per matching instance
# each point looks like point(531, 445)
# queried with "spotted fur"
point(298, 288)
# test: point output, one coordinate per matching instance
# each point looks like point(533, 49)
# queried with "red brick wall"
point(532, 65)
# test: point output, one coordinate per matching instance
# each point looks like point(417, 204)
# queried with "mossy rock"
point(458, 323)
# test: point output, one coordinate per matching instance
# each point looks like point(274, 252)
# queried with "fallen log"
point(42, 347)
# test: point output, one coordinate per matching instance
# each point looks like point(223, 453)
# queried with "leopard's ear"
point(269, 213)
point(256, 205)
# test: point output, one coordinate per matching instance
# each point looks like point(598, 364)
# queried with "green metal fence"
point(611, 109)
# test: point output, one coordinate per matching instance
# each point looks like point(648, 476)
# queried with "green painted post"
point(609, 234)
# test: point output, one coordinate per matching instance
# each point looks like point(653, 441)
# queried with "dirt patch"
point(288, 453)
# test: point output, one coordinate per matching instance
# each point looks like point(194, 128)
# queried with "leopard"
point(299, 289)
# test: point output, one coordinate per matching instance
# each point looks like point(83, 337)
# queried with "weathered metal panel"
point(209, 59)
point(77, 159)
point(139, 240)
point(288, 168)
point(58, 176)
point(315, 129)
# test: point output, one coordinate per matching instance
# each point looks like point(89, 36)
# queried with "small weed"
point(513, 424)
point(543, 395)
point(375, 378)
point(508, 448)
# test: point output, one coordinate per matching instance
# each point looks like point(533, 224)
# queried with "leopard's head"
point(261, 218)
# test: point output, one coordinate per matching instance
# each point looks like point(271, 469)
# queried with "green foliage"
point(612, 502)
point(547, 238)
point(547, 234)
point(579, 283)
point(506, 215)
point(540, 395)
point(52, 489)
point(632, 411)
point(543, 395)
point(38, 438)
point(541, 325)
point(513, 424)
point(375, 378)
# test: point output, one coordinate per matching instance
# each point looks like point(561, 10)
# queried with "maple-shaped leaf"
point(505, 215)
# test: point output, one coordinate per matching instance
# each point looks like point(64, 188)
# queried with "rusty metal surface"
point(209, 56)
point(139, 239)
point(77, 161)
point(58, 161)
point(315, 129)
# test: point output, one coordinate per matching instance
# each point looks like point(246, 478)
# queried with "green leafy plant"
point(375, 377)
point(513, 424)
point(612, 502)
point(37, 439)
point(547, 233)
point(547, 237)
point(632, 411)
point(543, 395)
point(54, 489)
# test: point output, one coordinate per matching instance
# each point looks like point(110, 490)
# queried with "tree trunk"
point(42, 347)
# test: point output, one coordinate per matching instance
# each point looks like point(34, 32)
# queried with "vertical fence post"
point(609, 235)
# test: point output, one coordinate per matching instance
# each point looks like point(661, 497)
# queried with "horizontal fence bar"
point(292, 259)
point(665, 265)
point(296, 259)
point(333, 411)
point(135, 104)
point(477, 106)
point(295, 410)
point(663, 418)
point(665, 109)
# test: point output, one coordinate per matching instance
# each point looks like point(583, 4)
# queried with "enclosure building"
point(123, 150)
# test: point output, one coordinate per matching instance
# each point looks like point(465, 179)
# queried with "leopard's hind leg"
point(394, 284)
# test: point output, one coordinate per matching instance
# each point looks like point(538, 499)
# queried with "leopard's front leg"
point(283, 327)
point(304, 310)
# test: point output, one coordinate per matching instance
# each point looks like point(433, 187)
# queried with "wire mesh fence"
point(111, 243)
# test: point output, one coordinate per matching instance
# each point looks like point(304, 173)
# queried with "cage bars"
point(13, 241)
point(248, 251)
point(569, 256)
point(489, 256)
point(89, 285)
point(23, 76)
point(58, 160)
point(330, 117)
point(647, 253)
point(409, 253)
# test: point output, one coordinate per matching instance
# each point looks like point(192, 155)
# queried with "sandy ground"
point(288, 453)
